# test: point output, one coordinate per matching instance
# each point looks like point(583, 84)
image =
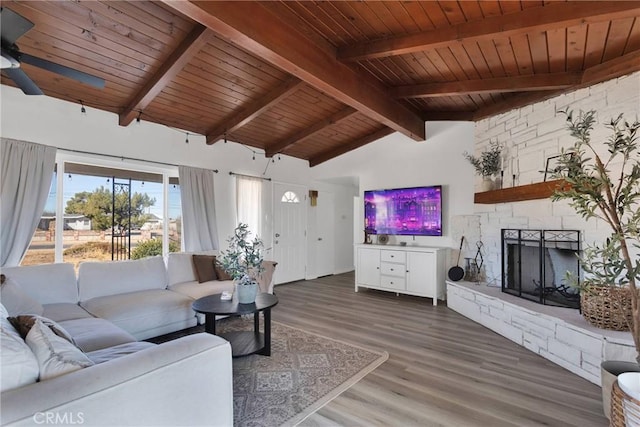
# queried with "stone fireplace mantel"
point(558, 334)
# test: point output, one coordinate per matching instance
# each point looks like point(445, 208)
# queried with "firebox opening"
point(535, 264)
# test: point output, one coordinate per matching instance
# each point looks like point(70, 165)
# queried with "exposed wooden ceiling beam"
point(623, 65)
point(608, 70)
point(552, 16)
point(501, 84)
point(282, 45)
point(444, 116)
point(254, 109)
point(191, 44)
point(344, 148)
point(514, 102)
point(305, 133)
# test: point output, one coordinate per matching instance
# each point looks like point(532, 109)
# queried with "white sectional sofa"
point(106, 310)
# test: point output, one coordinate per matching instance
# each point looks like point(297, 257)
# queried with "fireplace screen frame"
point(538, 242)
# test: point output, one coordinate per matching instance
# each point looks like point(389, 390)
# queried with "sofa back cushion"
point(99, 279)
point(180, 267)
point(46, 283)
point(16, 300)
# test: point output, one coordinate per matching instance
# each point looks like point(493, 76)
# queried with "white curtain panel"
point(200, 232)
point(249, 203)
point(27, 169)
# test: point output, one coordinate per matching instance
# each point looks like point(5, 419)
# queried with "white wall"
point(397, 161)
point(531, 135)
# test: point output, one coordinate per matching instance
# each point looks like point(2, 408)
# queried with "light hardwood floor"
point(443, 369)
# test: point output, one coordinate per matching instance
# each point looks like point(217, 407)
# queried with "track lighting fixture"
point(254, 155)
point(82, 109)
point(186, 141)
point(138, 118)
point(225, 137)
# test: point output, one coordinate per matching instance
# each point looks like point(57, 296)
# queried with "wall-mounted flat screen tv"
point(415, 211)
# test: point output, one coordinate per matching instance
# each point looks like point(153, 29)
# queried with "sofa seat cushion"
point(92, 334)
point(107, 354)
point(65, 311)
point(197, 290)
point(142, 311)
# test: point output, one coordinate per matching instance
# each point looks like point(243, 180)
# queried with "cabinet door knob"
point(392, 269)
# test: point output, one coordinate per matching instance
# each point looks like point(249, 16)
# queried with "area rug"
point(304, 372)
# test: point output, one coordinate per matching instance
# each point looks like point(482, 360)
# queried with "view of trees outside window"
point(100, 227)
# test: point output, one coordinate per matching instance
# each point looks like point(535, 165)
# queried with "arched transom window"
point(290, 197)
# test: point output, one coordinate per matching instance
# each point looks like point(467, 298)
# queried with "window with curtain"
point(249, 203)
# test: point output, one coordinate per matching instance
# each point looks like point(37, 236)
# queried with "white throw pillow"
point(18, 364)
point(17, 301)
point(3, 311)
point(56, 356)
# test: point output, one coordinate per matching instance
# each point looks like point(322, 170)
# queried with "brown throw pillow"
point(222, 275)
point(25, 322)
point(204, 266)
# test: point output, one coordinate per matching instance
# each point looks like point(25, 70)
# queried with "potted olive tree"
point(604, 182)
point(487, 165)
point(243, 262)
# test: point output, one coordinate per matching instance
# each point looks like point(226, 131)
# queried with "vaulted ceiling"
point(314, 80)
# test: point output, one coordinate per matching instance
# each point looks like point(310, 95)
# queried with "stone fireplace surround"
point(531, 135)
point(558, 334)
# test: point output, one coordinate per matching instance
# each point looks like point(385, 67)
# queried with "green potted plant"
point(487, 165)
point(604, 182)
point(243, 262)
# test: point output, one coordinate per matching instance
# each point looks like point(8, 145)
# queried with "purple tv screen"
point(404, 211)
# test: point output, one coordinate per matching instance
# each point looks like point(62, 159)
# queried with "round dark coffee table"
point(243, 343)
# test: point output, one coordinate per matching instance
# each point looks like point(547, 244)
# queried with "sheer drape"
point(249, 203)
point(27, 169)
point(200, 232)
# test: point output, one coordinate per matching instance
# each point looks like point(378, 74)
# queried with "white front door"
point(289, 232)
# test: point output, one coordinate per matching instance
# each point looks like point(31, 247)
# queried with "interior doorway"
point(324, 234)
point(289, 232)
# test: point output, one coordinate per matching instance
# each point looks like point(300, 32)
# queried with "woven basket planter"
point(625, 410)
point(607, 307)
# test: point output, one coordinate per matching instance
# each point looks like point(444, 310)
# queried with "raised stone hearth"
point(558, 334)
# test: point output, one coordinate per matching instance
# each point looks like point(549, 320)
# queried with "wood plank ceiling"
point(314, 80)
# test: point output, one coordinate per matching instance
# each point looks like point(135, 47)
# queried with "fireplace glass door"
point(535, 265)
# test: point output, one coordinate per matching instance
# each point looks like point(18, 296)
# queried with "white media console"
point(408, 270)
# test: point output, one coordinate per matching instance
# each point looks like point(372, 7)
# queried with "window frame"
point(63, 156)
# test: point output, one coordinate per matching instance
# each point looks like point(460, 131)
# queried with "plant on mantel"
point(489, 162)
point(606, 186)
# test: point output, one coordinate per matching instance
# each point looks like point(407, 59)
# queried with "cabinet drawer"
point(393, 256)
point(392, 282)
point(392, 269)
